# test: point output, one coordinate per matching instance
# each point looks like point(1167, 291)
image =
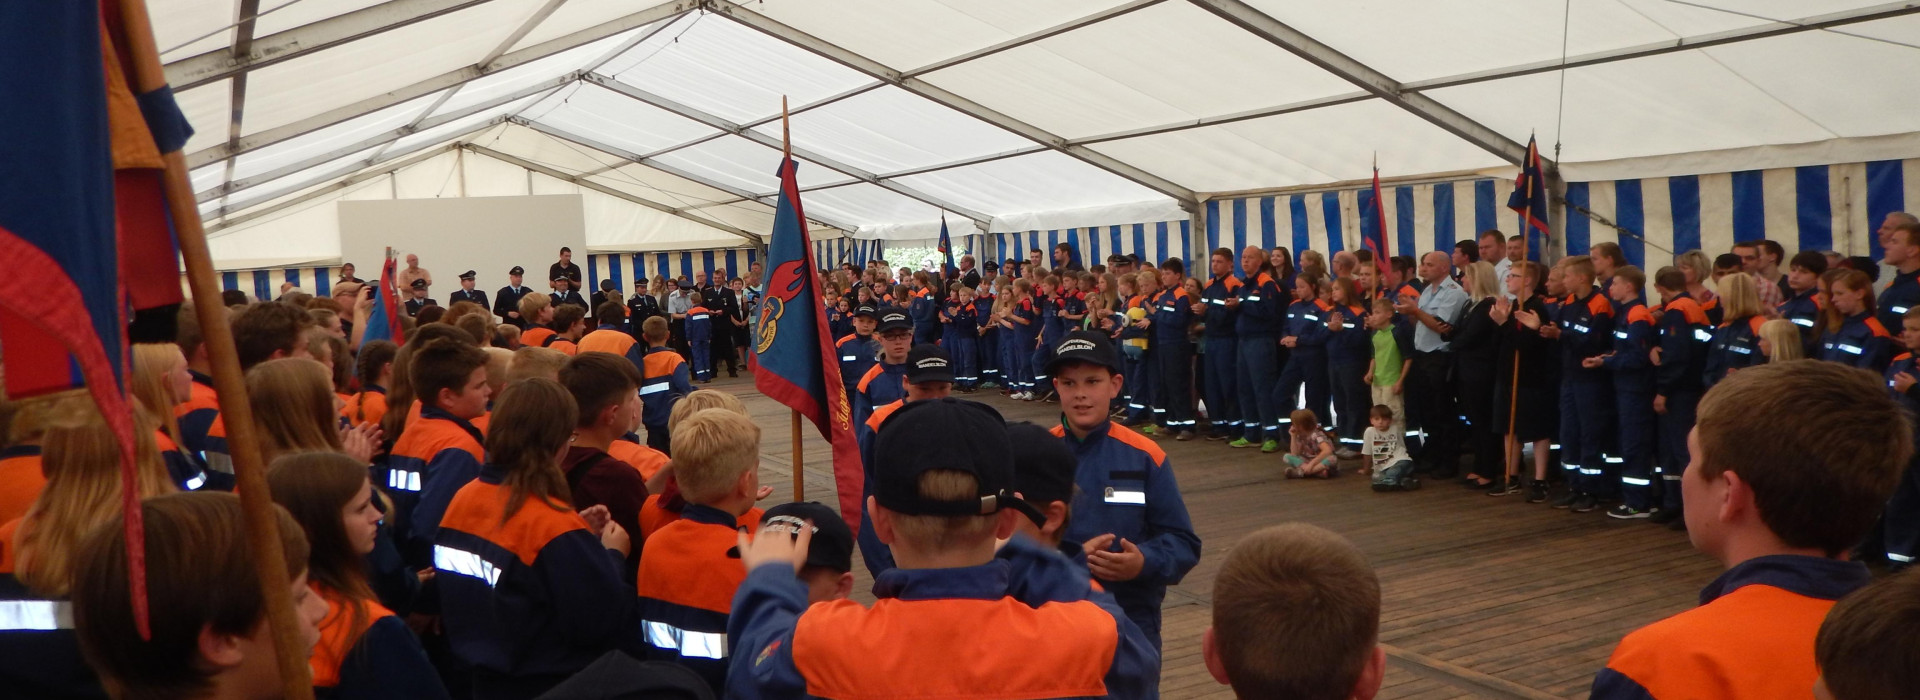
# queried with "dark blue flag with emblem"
point(796, 363)
point(1529, 199)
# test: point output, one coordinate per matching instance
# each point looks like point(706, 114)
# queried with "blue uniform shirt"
point(1862, 341)
point(1901, 294)
point(1221, 321)
point(1172, 313)
point(1127, 489)
point(1262, 308)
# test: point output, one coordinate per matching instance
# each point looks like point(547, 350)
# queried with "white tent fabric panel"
point(207, 108)
point(657, 186)
point(328, 139)
point(576, 16)
point(430, 178)
point(1166, 63)
point(888, 129)
point(311, 84)
point(865, 202)
point(1844, 100)
point(177, 32)
point(617, 224)
point(912, 33)
point(1035, 182)
point(481, 176)
point(505, 82)
point(614, 119)
point(737, 162)
point(728, 70)
point(303, 180)
point(281, 15)
point(282, 242)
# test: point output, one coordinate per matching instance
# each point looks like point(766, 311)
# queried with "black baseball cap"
point(866, 310)
point(517, 270)
point(991, 266)
point(1084, 346)
point(950, 435)
point(832, 544)
point(419, 284)
point(893, 318)
point(1118, 259)
point(467, 275)
point(1043, 466)
point(926, 362)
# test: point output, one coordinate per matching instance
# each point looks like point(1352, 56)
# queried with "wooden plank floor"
point(1483, 597)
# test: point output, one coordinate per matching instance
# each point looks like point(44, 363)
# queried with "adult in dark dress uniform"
point(419, 299)
point(640, 307)
point(719, 299)
point(506, 302)
point(563, 293)
point(467, 292)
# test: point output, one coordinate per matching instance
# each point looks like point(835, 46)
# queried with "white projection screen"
point(488, 235)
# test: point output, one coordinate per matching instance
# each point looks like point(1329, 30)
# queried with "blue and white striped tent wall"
point(1420, 218)
point(622, 268)
point(1818, 207)
point(265, 284)
point(1815, 207)
point(1153, 242)
point(832, 252)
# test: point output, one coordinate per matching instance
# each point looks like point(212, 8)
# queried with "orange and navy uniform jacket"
point(1172, 314)
point(1685, 335)
point(663, 509)
point(612, 340)
point(368, 406)
point(877, 555)
point(185, 468)
point(881, 385)
point(642, 458)
point(436, 456)
point(1862, 341)
point(699, 324)
point(1586, 330)
point(922, 308)
point(1901, 294)
point(857, 355)
point(196, 415)
point(536, 337)
point(686, 584)
point(380, 659)
point(596, 478)
point(1028, 625)
point(1751, 637)
point(39, 652)
point(1221, 321)
point(21, 479)
point(1736, 344)
point(527, 600)
point(1127, 489)
point(664, 378)
point(561, 343)
point(1633, 341)
point(1263, 308)
point(1803, 310)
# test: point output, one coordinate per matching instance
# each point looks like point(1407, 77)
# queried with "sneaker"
point(1586, 504)
point(1664, 516)
point(1270, 447)
point(1183, 435)
point(1150, 430)
point(1216, 437)
point(1511, 487)
point(1626, 512)
point(1240, 443)
point(1537, 491)
point(1566, 501)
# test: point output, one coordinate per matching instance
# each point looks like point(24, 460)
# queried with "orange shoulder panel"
point(686, 563)
point(1755, 322)
point(867, 378)
point(7, 533)
point(1903, 356)
point(566, 347)
point(338, 634)
point(880, 414)
point(1139, 442)
point(653, 517)
point(1689, 308)
point(642, 458)
point(661, 364)
point(21, 480)
point(1599, 305)
point(476, 510)
point(1638, 314)
point(1052, 651)
point(1263, 279)
point(535, 337)
point(1879, 329)
point(1754, 642)
point(607, 341)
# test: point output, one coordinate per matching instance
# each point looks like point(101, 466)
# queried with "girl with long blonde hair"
point(1780, 341)
point(159, 382)
point(293, 405)
point(82, 462)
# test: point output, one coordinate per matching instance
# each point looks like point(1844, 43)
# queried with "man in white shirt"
point(1493, 249)
point(1430, 392)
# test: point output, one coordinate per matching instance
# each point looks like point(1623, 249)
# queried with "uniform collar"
point(441, 414)
point(1913, 276)
point(199, 378)
point(662, 348)
point(1814, 577)
point(377, 389)
point(20, 451)
point(707, 515)
point(984, 582)
point(1093, 435)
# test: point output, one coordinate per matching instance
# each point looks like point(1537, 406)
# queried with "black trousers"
point(1431, 405)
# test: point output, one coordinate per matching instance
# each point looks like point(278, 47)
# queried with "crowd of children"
point(475, 513)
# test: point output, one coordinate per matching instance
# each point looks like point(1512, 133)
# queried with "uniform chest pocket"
point(1126, 488)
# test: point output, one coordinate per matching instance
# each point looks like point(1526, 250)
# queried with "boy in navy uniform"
point(663, 380)
point(1903, 293)
point(419, 299)
point(961, 338)
point(1900, 528)
point(506, 302)
point(467, 292)
point(929, 375)
point(1803, 306)
point(1173, 353)
point(958, 618)
point(828, 571)
point(700, 339)
point(1129, 512)
point(1685, 334)
point(886, 381)
point(1220, 302)
point(1585, 330)
point(858, 350)
point(1634, 338)
point(989, 343)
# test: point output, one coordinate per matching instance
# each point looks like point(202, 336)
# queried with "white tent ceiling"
point(1012, 113)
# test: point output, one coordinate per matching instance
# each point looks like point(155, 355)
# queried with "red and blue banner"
point(1529, 198)
point(795, 359)
point(383, 322)
point(946, 252)
point(1374, 237)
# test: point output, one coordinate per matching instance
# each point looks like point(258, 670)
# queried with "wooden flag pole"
point(1513, 454)
point(263, 539)
point(799, 463)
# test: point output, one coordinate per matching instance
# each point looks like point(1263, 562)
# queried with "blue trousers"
point(1352, 398)
point(1306, 367)
point(1682, 407)
point(1900, 522)
point(1038, 358)
point(702, 358)
point(966, 370)
point(987, 353)
point(1586, 427)
point(1174, 363)
point(1222, 397)
point(1256, 376)
point(926, 332)
point(1018, 363)
point(1638, 441)
point(1141, 374)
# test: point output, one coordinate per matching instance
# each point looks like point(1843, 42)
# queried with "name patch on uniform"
point(1702, 335)
point(1126, 498)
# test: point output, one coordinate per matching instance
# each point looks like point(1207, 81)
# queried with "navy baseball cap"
point(832, 544)
point(894, 318)
point(926, 362)
point(1084, 346)
point(1043, 467)
point(866, 310)
point(944, 435)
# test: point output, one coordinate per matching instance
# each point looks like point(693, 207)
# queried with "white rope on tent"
point(1765, 18)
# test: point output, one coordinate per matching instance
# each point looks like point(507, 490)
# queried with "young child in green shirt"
point(1387, 372)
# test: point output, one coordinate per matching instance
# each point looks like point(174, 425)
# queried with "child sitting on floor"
point(1311, 454)
point(1387, 450)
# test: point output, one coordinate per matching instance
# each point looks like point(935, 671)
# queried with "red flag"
point(1375, 237)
